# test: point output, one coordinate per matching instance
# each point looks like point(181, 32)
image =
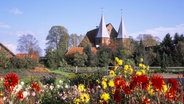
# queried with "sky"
point(36, 17)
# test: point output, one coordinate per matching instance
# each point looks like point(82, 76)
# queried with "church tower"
point(121, 32)
point(102, 37)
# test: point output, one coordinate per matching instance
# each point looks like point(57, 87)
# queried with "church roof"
point(102, 31)
point(122, 31)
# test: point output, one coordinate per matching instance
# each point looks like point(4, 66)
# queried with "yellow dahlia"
point(84, 98)
point(105, 96)
point(112, 73)
point(81, 88)
point(104, 84)
point(111, 83)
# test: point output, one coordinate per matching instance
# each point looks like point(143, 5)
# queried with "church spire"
point(102, 30)
point(122, 31)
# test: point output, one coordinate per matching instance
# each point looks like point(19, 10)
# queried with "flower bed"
point(122, 85)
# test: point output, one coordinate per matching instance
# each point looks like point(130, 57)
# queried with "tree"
point(139, 52)
point(180, 50)
point(57, 46)
point(79, 59)
point(28, 44)
point(148, 40)
point(91, 58)
point(104, 55)
point(55, 35)
point(74, 40)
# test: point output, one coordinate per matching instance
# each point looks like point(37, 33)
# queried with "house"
point(79, 50)
point(4, 49)
point(24, 55)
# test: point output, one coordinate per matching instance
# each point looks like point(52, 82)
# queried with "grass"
point(61, 72)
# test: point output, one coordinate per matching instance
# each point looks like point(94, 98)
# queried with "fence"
point(105, 70)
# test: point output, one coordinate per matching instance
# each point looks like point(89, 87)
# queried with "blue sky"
point(36, 17)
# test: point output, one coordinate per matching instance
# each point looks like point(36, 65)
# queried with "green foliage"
point(91, 57)
point(51, 97)
point(48, 80)
point(4, 60)
point(79, 60)
point(26, 62)
point(86, 79)
point(104, 56)
point(57, 46)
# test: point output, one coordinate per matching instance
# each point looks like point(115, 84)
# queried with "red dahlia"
point(10, 81)
point(157, 82)
point(35, 86)
point(173, 83)
point(117, 96)
point(119, 82)
point(142, 80)
point(20, 95)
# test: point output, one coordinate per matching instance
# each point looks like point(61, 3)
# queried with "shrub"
point(23, 62)
point(48, 80)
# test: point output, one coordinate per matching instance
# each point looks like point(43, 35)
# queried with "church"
point(103, 35)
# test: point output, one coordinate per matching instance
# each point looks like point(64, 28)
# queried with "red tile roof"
point(23, 55)
point(79, 50)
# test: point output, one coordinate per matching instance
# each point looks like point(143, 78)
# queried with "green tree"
point(104, 55)
point(57, 41)
point(91, 57)
point(166, 51)
point(180, 52)
point(139, 52)
point(74, 40)
point(79, 60)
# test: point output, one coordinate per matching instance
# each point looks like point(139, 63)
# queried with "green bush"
point(23, 63)
point(48, 80)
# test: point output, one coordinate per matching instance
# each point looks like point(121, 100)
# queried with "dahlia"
point(20, 95)
point(173, 84)
point(35, 86)
point(10, 81)
point(119, 82)
point(157, 82)
point(112, 73)
point(117, 96)
point(84, 98)
point(111, 83)
point(81, 88)
point(105, 96)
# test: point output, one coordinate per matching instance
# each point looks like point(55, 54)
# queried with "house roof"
point(7, 49)
point(23, 55)
point(79, 50)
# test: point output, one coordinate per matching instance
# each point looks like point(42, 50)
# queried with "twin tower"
point(105, 34)
point(104, 37)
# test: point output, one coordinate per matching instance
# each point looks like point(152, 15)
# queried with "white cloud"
point(4, 26)
point(16, 11)
point(161, 31)
point(12, 47)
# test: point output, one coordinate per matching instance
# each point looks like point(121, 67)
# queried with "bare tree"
point(148, 40)
point(28, 44)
